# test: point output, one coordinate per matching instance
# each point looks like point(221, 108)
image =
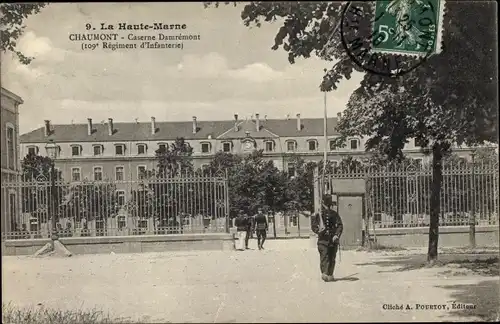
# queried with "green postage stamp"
point(408, 27)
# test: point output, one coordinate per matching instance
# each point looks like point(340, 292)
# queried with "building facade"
point(122, 151)
point(10, 161)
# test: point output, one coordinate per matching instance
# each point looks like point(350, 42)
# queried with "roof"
point(11, 95)
point(124, 132)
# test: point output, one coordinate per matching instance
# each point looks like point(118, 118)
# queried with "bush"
point(14, 315)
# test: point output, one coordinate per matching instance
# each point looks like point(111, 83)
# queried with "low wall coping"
point(425, 230)
point(124, 239)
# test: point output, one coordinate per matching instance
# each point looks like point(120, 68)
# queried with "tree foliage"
point(12, 17)
point(450, 99)
point(36, 167)
point(175, 158)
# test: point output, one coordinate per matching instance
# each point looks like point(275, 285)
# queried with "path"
point(280, 284)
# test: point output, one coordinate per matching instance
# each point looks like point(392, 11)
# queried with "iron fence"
point(190, 203)
point(398, 196)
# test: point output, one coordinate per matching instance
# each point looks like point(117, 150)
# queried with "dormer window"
point(98, 148)
point(313, 145)
point(76, 150)
point(32, 150)
point(269, 146)
point(227, 146)
point(141, 148)
point(119, 149)
point(205, 147)
point(354, 144)
point(291, 146)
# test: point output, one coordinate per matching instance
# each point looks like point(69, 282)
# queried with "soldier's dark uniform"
point(261, 227)
point(327, 247)
point(241, 223)
point(250, 227)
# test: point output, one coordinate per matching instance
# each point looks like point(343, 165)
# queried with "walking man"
point(241, 230)
point(261, 228)
point(329, 229)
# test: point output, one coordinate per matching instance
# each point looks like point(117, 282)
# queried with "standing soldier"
point(241, 230)
point(250, 228)
point(329, 229)
point(261, 228)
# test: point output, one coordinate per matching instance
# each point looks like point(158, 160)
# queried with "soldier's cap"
point(327, 200)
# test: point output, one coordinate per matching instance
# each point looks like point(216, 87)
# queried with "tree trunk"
point(437, 177)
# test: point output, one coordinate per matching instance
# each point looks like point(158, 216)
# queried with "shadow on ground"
point(348, 278)
point(485, 265)
point(483, 295)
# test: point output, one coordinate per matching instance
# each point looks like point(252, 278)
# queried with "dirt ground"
point(279, 284)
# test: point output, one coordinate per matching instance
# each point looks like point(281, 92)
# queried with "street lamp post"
point(472, 220)
point(52, 150)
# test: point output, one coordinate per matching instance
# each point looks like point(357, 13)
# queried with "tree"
point(12, 16)
point(175, 158)
point(37, 197)
point(299, 189)
point(450, 99)
point(37, 168)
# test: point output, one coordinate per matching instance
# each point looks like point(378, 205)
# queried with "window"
point(97, 150)
point(332, 146)
point(10, 147)
point(418, 162)
point(141, 172)
point(269, 146)
point(313, 145)
point(226, 147)
point(120, 198)
point(119, 149)
point(162, 147)
point(291, 170)
point(76, 150)
point(205, 147)
point(75, 174)
point(291, 146)
point(141, 149)
point(354, 144)
point(335, 164)
point(294, 220)
point(119, 173)
point(122, 222)
point(32, 150)
point(418, 143)
point(205, 166)
point(97, 173)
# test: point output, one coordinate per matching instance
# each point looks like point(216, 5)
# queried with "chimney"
point(110, 126)
point(195, 125)
point(257, 121)
point(47, 128)
point(339, 116)
point(235, 122)
point(153, 125)
point(89, 126)
point(299, 125)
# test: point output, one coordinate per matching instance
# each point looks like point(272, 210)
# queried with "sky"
point(231, 69)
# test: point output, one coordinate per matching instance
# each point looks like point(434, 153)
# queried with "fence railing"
point(177, 205)
point(398, 196)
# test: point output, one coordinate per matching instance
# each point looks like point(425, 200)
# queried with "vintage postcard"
point(225, 162)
